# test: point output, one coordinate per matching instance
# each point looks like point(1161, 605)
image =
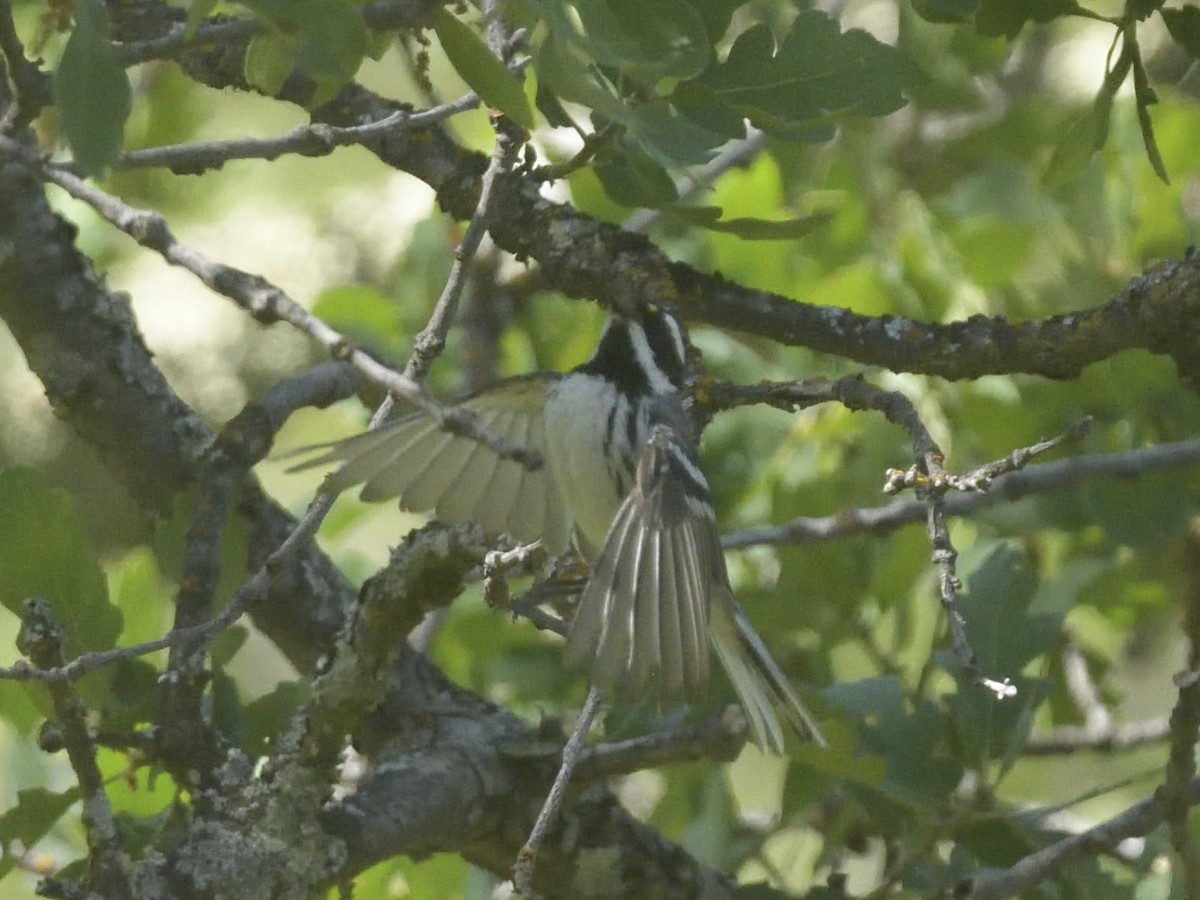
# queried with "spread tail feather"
point(759, 682)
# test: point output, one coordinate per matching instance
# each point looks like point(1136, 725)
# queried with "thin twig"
point(265, 301)
point(852, 392)
point(527, 858)
point(735, 155)
point(945, 558)
point(933, 483)
point(1035, 479)
point(719, 737)
point(1068, 739)
point(926, 473)
point(1137, 820)
point(592, 144)
point(496, 567)
point(432, 339)
point(379, 16)
point(313, 140)
point(1185, 728)
point(316, 139)
point(180, 714)
point(30, 85)
point(42, 637)
point(1097, 718)
point(252, 590)
point(980, 479)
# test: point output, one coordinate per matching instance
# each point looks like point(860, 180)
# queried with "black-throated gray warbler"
point(621, 475)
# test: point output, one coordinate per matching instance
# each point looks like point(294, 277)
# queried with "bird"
point(622, 480)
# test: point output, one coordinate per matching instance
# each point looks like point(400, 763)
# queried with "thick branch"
point(586, 258)
point(81, 340)
point(455, 752)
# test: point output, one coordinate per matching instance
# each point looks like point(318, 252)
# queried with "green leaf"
point(570, 74)
point(1005, 636)
point(44, 552)
point(225, 646)
point(267, 717)
point(817, 75)
point(1003, 633)
point(1083, 138)
point(331, 38)
point(670, 137)
point(228, 710)
point(270, 59)
point(139, 591)
point(336, 40)
point(1088, 133)
point(716, 16)
point(482, 70)
point(132, 694)
point(749, 229)
point(36, 812)
point(170, 539)
point(198, 10)
point(1142, 9)
point(1145, 97)
point(362, 312)
point(710, 828)
point(918, 772)
point(635, 180)
point(1184, 26)
point(946, 10)
point(92, 90)
point(551, 109)
point(1006, 18)
point(19, 705)
point(647, 41)
point(669, 133)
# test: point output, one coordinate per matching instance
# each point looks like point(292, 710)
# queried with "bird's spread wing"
point(460, 479)
point(644, 611)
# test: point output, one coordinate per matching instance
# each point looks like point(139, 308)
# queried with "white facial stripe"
point(676, 335)
point(659, 383)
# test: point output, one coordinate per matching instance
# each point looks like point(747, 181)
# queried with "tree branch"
point(1139, 819)
point(585, 258)
point(265, 302)
point(1185, 729)
point(42, 639)
point(1006, 488)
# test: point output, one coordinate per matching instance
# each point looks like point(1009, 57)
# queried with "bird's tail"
point(760, 683)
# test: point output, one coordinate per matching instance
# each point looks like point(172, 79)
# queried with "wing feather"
point(671, 637)
point(645, 608)
point(457, 478)
point(620, 610)
point(436, 462)
point(691, 609)
point(473, 478)
point(590, 625)
point(646, 657)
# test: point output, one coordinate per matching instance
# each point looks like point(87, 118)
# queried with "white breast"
point(592, 478)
